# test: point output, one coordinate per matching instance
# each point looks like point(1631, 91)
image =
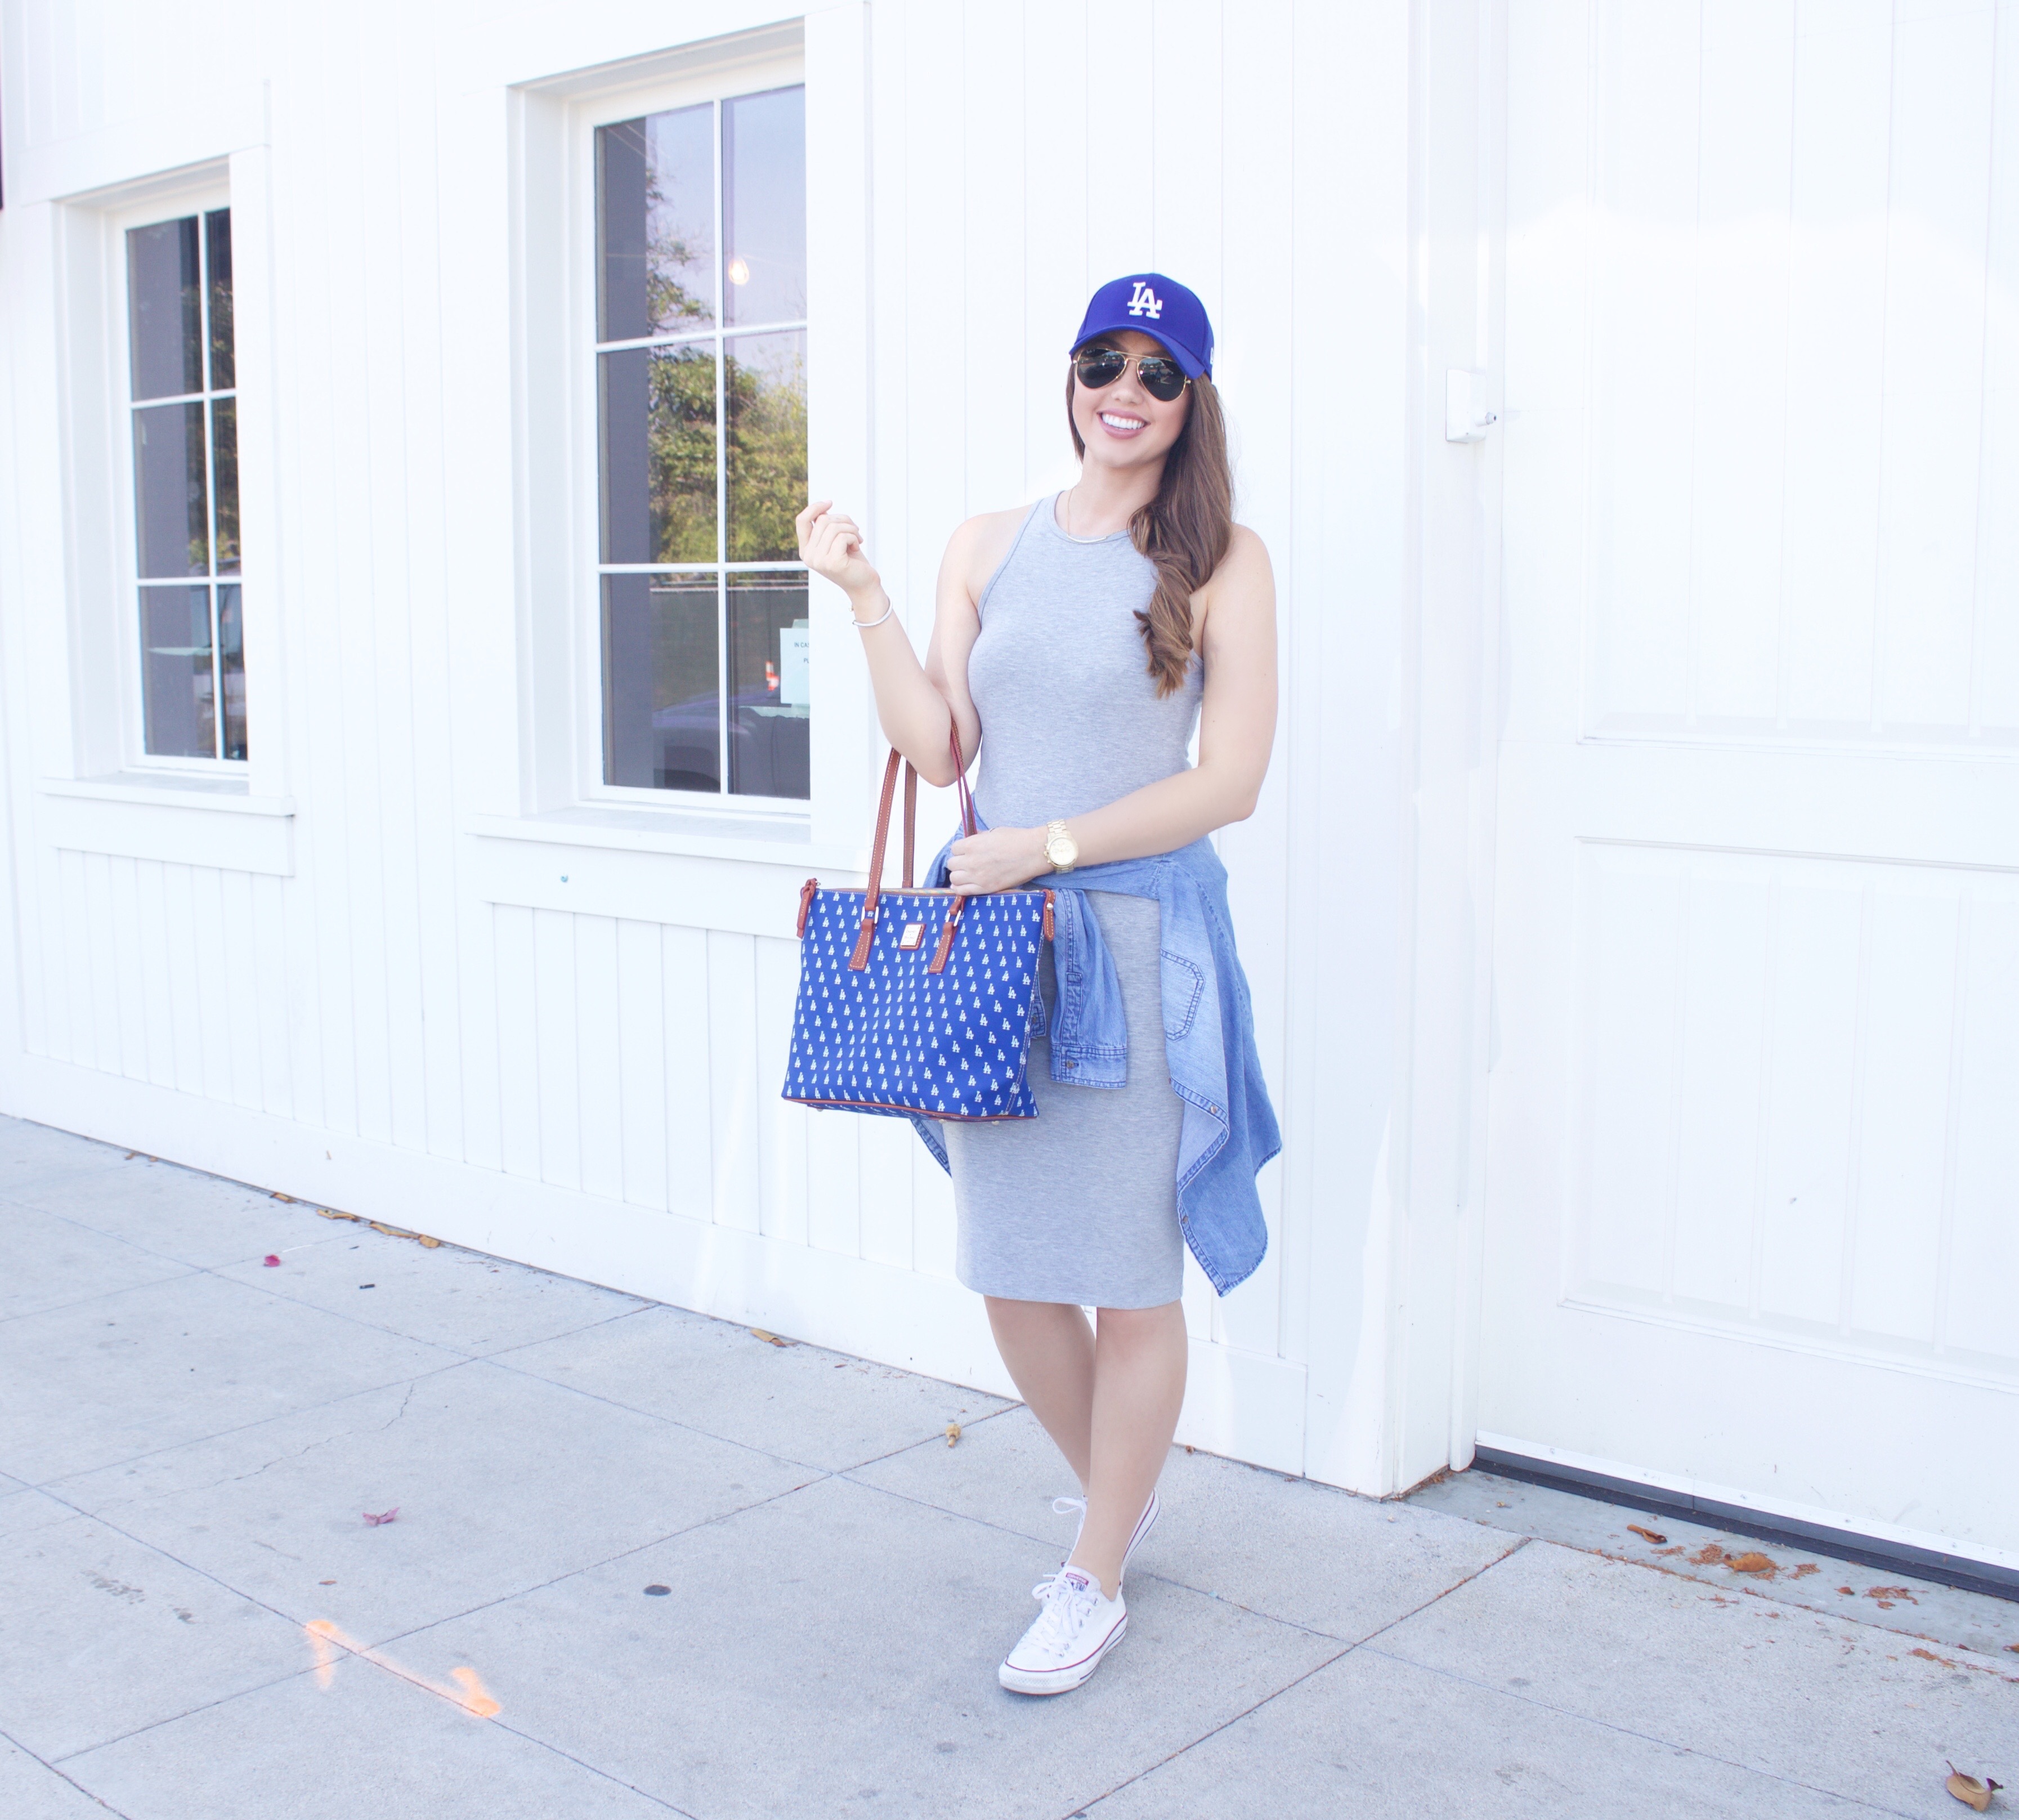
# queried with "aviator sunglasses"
point(1162, 378)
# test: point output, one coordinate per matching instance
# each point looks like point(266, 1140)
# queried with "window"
point(701, 411)
point(184, 402)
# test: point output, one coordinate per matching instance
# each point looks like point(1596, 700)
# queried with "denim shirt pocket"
point(1183, 986)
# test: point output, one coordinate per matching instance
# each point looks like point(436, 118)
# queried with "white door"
point(1753, 1184)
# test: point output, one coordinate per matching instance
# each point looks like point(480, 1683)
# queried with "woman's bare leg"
point(1049, 1350)
point(1139, 1388)
point(1109, 1397)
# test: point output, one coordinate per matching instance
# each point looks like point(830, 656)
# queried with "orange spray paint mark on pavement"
point(468, 1693)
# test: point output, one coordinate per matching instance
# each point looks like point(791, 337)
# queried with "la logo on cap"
point(1143, 301)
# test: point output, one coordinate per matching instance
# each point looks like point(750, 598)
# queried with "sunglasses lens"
point(1100, 366)
point(1161, 378)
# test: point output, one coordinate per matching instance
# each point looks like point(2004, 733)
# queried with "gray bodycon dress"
point(1079, 1204)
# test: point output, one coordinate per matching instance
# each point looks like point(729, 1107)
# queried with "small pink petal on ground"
point(271, 1261)
point(383, 1515)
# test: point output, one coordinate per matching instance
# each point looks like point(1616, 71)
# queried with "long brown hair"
point(1185, 530)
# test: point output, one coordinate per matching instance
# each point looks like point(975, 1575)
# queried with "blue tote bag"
point(916, 1002)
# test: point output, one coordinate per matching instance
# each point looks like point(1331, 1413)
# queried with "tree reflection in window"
point(701, 445)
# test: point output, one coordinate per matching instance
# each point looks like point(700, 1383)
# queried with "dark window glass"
point(171, 498)
point(764, 206)
point(175, 681)
point(765, 390)
point(224, 475)
point(655, 218)
point(186, 486)
point(217, 251)
point(231, 669)
point(657, 411)
point(164, 305)
point(769, 755)
point(701, 445)
point(661, 722)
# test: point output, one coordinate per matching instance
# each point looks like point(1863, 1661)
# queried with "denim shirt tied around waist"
point(1229, 1129)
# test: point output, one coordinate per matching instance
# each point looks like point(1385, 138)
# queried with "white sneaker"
point(1076, 1628)
point(1144, 1523)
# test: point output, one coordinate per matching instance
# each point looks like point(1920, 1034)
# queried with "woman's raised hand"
point(831, 545)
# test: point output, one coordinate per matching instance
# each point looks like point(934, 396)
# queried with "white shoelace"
point(1067, 1604)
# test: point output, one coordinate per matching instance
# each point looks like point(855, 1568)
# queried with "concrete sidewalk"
point(645, 1563)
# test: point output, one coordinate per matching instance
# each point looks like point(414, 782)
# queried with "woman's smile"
point(1118, 423)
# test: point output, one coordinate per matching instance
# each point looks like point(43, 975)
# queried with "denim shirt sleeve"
point(1090, 1029)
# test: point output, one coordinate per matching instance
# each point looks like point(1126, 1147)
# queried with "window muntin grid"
point(701, 446)
point(183, 405)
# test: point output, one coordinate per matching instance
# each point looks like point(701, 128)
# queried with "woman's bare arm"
point(915, 703)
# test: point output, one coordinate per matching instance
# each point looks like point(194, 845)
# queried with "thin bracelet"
point(865, 624)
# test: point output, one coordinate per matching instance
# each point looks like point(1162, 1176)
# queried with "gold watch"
point(1060, 849)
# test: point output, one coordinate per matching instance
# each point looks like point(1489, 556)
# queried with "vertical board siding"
point(1805, 324)
point(599, 1088)
point(690, 1145)
point(375, 993)
point(736, 1139)
point(556, 1024)
point(170, 975)
point(641, 1064)
point(518, 1040)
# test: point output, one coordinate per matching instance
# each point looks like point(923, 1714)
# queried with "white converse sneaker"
point(1144, 1523)
point(1076, 1628)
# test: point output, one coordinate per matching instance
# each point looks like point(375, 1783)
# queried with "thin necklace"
point(1070, 538)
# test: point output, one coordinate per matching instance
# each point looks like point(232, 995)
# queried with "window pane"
point(224, 364)
point(231, 664)
point(769, 755)
point(766, 392)
point(164, 325)
point(175, 672)
point(655, 219)
point(224, 472)
point(656, 406)
point(171, 500)
point(764, 206)
point(661, 725)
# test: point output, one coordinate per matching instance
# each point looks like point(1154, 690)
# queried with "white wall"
point(400, 975)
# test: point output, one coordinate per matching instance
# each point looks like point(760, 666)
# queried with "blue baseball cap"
point(1158, 306)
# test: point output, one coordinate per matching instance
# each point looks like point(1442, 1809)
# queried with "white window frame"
point(748, 77)
point(197, 200)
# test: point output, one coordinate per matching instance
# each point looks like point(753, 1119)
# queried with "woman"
point(1076, 643)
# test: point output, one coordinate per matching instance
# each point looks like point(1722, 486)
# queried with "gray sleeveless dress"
point(1079, 1204)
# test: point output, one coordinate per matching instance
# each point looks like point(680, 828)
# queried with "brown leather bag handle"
point(866, 936)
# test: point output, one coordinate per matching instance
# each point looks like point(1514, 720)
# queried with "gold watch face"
point(1062, 851)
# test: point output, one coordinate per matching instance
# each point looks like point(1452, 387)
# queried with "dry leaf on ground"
point(331, 1213)
point(1709, 1555)
point(432, 1244)
point(1653, 1535)
point(1887, 1595)
point(1807, 1568)
point(952, 1433)
point(768, 1339)
point(1753, 1561)
point(1969, 1791)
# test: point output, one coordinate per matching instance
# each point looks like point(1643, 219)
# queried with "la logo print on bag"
point(917, 1001)
point(896, 1037)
